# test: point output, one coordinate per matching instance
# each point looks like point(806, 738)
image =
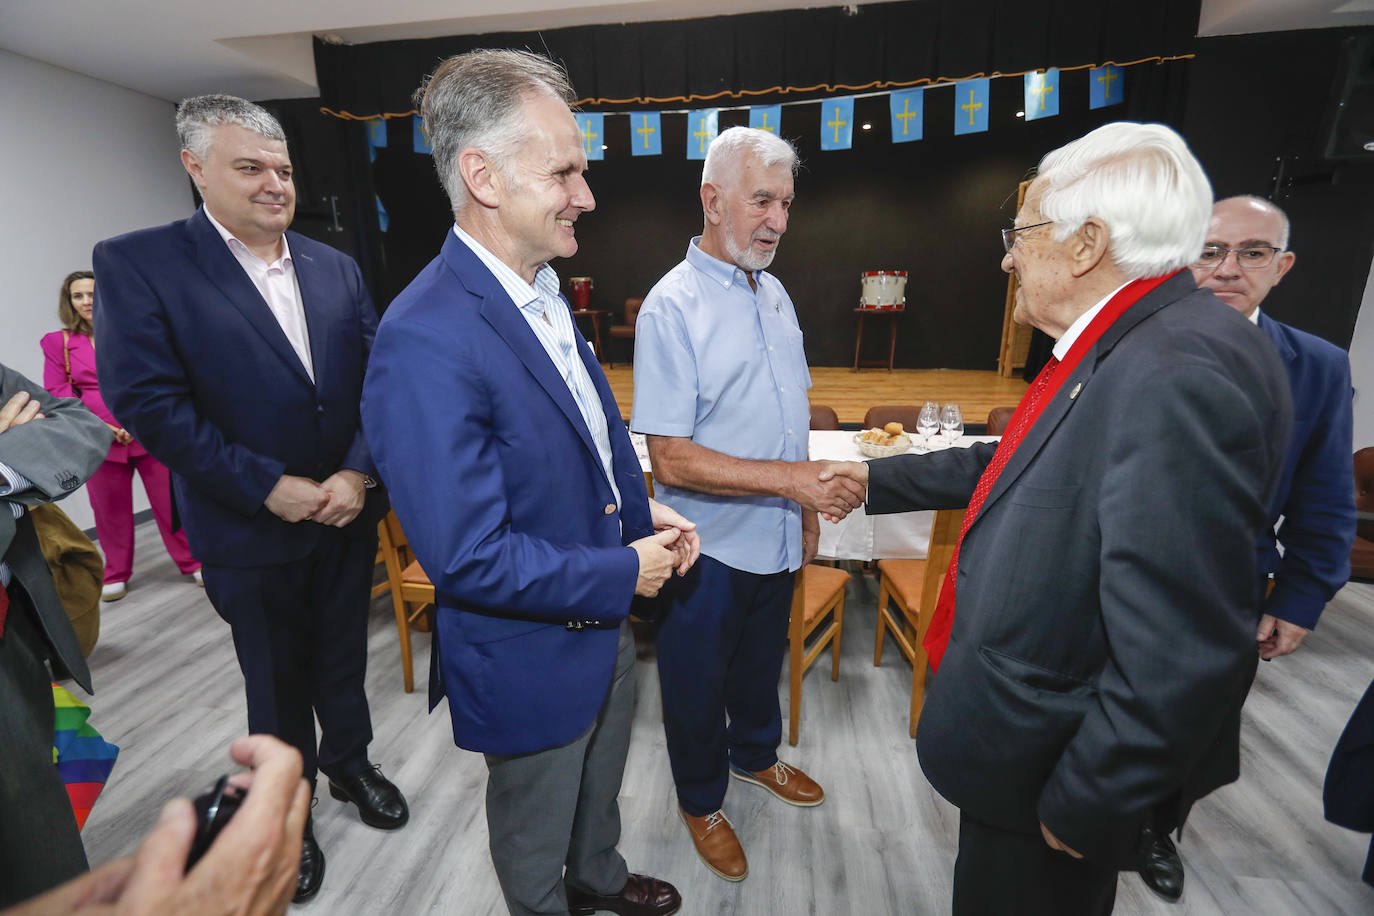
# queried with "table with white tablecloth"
point(859, 536)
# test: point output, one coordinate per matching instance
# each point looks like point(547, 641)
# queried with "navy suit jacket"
point(1108, 590)
point(498, 485)
point(194, 364)
point(1316, 494)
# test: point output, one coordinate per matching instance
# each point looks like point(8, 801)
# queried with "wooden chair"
point(882, 415)
point(409, 586)
point(816, 592)
point(625, 331)
point(914, 586)
point(823, 417)
point(998, 418)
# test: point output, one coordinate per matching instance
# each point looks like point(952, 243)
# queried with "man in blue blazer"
point(1245, 257)
point(515, 480)
point(235, 351)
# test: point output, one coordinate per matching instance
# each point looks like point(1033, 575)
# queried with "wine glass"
point(927, 423)
point(951, 422)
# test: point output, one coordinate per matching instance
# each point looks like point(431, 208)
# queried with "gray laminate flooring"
point(170, 695)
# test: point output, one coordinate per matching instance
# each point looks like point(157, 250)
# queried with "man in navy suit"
point(516, 482)
point(235, 350)
point(1245, 257)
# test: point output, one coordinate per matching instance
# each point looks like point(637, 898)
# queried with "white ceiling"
point(261, 49)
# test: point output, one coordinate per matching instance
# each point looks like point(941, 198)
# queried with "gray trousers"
point(558, 807)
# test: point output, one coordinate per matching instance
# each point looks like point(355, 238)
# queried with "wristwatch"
point(369, 482)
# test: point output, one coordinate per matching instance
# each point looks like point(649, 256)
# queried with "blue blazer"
point(1316, 494)
point(497, 483)
point(194, 364)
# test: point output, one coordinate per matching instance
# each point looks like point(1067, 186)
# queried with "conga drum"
point(580, 292)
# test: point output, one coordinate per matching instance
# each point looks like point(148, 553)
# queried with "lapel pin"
point(1076, 388)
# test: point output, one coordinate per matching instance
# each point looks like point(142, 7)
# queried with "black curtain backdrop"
point(932, 207)
point(699, 59)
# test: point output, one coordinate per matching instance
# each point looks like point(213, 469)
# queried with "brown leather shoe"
point(641, 896)
point(716, 843)
point(786, 782)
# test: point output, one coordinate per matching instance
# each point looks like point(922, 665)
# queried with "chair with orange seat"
point(914, 586)
point(998, 418)
point(817, 593)
point(626, 331)
point(884, 414)
point(824, 417)
point(412, 594)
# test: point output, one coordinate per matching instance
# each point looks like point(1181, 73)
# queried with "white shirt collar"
point(1065, 343)
point(1254, 316)
point(237, 245)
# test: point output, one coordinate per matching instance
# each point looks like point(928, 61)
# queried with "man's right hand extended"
point(656, 560)
point(835, 497)
point(294, 499)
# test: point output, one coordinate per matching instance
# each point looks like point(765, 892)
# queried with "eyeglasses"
point(1009, 235)
point(1254, 258)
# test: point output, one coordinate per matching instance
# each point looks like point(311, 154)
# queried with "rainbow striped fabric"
point(83, 758)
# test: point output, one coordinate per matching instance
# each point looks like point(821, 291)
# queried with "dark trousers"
point(1017, 874)
point(720, 651)
point(40, 845)
point(300, 631)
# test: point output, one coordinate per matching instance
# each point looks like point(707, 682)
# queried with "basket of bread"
point(883, 443)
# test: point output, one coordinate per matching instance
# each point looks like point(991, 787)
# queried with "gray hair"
point(726, 151)
point(199, 115)
point(1265, 203)
point(474, 101)
point(1143, 182)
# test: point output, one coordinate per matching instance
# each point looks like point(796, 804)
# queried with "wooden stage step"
point(852, 393)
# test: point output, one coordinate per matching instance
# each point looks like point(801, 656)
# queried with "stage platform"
point(852, 393)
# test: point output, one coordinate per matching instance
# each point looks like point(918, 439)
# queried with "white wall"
point(1362, 367)
point(83, 160)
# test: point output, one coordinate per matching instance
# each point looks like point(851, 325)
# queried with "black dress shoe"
point(380, 803)
point(310, 875)
point(1162, 870)
point(641, 896)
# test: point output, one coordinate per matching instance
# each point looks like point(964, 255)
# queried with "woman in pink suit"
point(69, 371)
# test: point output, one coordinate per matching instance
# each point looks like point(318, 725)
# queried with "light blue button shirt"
point(724, 365)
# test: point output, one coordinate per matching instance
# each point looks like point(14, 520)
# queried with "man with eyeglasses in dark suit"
point(1245, 257)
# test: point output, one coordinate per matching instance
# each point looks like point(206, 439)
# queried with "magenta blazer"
point(82, 383)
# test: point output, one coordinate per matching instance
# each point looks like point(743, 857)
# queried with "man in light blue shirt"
point(720, 391)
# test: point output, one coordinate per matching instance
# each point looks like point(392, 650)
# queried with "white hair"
point(725, 152)
point(199, 115)
point(1143, 182)
point(476, 100)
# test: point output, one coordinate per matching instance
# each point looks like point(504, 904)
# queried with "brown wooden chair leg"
point(835, 646)
point(882, 624)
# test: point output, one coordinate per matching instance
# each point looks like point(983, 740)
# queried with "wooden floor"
point(170, 695)
point(852, 393)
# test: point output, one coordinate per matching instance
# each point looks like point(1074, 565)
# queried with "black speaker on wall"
point(1350, 122)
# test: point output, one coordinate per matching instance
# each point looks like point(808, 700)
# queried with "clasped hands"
point(674, 545)
point(335, 502)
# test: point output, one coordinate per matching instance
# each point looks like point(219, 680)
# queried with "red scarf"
point(1033, 402)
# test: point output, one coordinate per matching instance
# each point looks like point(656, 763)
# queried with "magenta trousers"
point(111, 489)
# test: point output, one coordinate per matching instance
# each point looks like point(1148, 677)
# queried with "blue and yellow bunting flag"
point(702, 127)
point(591, 125)
point(1042, 94)
point(419, 138)
point(971, 106)
point(908, 114)
point(766, 117)
point(1106, 86)
point(646, 137)
point(376, 138)
point(837, 123)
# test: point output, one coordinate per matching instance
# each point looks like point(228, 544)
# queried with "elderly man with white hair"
point(1094, 639)
point(720, 391)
